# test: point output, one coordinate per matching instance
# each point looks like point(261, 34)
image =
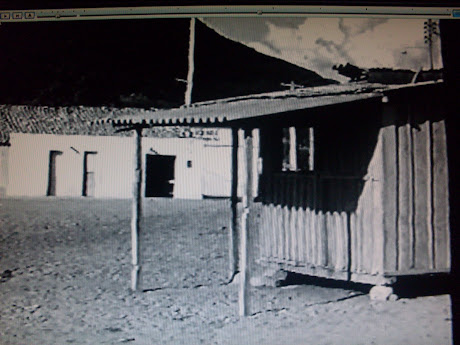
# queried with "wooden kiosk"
point(350, 181)
point(358, 191)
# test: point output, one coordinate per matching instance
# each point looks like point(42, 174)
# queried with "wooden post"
point(191, 64)
point(247, 182)
point(233, 234)
point(311, 152)
point(136, 213)
point(257, 161)
point(292, 149)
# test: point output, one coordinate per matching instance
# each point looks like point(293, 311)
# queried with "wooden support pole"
point(257, 161)
point(233, 234)
point(136, 213)
point(247, 183)
point(292, 149)
point(191, 64)
point(311, 153)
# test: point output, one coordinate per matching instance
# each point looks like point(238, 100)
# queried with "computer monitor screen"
point(226, 175)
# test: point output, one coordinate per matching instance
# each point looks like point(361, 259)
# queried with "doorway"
point(159, 176)
point(88, 173)
point(53, 157)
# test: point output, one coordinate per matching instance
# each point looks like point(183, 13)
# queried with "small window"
point(298, 149)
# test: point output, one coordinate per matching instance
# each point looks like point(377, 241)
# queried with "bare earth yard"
point(65, 270)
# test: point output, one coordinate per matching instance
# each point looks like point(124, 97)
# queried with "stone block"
point(381, 293)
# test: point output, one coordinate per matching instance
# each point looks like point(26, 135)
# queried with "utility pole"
point(430, 29)
point(191, 64)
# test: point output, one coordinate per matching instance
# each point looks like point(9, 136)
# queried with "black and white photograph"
point(225, 180)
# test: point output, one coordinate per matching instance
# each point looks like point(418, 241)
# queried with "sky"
point(319, 43)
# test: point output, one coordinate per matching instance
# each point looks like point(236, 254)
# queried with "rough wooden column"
point(247, 183)
point(191, 64)
point(292, 149)
point(136, 213)
point(233, 234)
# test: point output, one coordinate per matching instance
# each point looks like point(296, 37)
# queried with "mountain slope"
point(136, 63)
point(224, 68)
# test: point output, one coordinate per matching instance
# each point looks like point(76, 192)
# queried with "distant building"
point(387, 75)
point(56, 152)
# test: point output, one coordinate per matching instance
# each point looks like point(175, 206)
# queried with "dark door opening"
point(88, 173)
point(159, 176)
point(51, 191)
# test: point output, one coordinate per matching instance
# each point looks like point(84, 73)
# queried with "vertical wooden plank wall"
point(422, 232)
point(410, 230)
point(387, 245)
point(365, 230)
point(297, 231)
point(420, 132)
point(399, 223)
point(440, 197)
point(405, 198)
point(422, 215)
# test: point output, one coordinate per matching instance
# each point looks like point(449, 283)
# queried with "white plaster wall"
point(216, 166)
point(187, 180)
point(4, 150)
point(216, 161)
point(210, 173)
point(29, 159)
point(113, 165)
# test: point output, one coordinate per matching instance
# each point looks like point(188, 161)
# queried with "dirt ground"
point(65, 271)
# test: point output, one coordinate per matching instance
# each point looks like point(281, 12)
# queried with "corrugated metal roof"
point(80, 120)
point(241, 108)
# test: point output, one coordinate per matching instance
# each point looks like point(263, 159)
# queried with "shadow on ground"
point(426, 285)
point(405, 287)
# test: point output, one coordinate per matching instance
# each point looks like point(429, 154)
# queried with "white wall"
point(210, 173)
point(29, 160)
point(216, 170)
point(187, 180)
point(113, 165)
point(4, 150)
